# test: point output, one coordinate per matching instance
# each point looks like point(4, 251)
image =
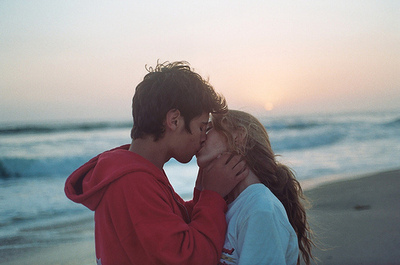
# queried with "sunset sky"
point(69, 60)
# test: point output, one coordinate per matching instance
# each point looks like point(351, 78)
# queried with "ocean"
point(36, 159)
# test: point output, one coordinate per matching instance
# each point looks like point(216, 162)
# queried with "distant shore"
point(356, 221)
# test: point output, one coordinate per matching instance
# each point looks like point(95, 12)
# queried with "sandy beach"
point(356, 222)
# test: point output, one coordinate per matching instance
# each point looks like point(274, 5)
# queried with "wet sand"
point(356, 221)
point(78, 253)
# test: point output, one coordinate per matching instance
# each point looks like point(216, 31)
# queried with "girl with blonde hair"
point(267, 221)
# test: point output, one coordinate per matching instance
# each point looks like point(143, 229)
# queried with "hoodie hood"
point(87, 184)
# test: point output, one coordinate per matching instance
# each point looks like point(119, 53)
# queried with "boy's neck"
point(154, 151)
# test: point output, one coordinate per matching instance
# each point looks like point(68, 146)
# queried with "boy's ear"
point(172, 119)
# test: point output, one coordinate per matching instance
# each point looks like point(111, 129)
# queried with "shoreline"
point(355, 218)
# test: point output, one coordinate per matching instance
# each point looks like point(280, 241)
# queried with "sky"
point(81, 60)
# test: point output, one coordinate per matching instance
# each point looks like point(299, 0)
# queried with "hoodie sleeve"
point(190, 204)
point(151, 230)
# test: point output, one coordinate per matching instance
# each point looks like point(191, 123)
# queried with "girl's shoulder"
point(257, 199)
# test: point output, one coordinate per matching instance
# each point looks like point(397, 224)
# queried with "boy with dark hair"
point(172, 86)
point(139, 219)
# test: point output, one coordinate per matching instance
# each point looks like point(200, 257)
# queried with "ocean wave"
point(4, 173)
point(60, 154)
point(307, 140)
point(52, 128)
point(39, 167)
point(292, 125)
point(393, 123)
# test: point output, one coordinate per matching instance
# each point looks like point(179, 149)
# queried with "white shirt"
point(259, 231)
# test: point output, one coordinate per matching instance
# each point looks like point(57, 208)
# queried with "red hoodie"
point(139, 219)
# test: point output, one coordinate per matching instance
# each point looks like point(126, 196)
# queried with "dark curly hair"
point(171, 86)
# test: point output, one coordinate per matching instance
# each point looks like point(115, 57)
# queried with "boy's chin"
point(183, 160)
point(203, 163)
point(200, 163)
